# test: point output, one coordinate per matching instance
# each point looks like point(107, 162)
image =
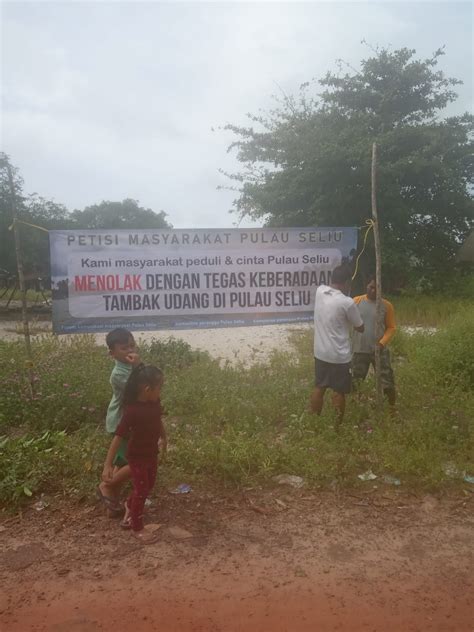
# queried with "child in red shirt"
point(141, 424)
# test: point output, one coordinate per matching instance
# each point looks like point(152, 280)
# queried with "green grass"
point(32, 296)
point(236, 426)
point(429, 311)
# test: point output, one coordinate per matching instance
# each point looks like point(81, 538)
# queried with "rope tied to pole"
point(20, 221)
point(369, 223)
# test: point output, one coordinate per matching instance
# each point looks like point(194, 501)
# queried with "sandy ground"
point(258, 561)
point(235, 344)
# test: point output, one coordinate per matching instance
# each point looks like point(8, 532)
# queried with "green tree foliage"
point(53, 216)
point(307, 161)
point(114, 215)
point(7, 250)
point(32, 209)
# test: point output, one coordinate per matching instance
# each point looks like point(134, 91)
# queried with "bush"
point(53, 462)
point(65, 396)
point(71, 380)
point(449, 356)
point(170, 354)
point(234, 425)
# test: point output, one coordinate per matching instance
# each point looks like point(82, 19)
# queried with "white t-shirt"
point(334, 316)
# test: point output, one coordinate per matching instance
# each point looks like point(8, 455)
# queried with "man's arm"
point(390, 326)
point(354, 316)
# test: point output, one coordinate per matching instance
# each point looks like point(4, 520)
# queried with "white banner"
point(165, 279)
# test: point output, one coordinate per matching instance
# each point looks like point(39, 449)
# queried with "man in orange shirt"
point(364, 343)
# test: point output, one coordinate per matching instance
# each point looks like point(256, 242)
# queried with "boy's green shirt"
point(118, 379)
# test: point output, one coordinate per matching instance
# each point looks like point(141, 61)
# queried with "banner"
point(172, 279)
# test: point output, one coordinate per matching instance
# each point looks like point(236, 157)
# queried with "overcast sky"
point(114, 100)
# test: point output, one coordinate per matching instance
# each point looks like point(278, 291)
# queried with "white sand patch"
point(235, 344)
point(419, 329)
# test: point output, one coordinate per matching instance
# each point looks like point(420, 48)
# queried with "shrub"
point(70, 384)
point(52, 462)
point(71, 380)
point(170, 354)
point(235, 425)
point(449, 356)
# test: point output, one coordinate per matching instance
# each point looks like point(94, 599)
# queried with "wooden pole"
point(21, 280)
point(379, 328)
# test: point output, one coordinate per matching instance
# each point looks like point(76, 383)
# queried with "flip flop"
point(109, 503)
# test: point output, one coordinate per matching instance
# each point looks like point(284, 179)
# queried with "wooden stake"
point(21, 279)
point(379, 327)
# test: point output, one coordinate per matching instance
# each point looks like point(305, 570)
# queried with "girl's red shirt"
point(141, 424)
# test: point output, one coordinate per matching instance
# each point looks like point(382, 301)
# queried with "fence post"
point(21, 280)
point(379, 328)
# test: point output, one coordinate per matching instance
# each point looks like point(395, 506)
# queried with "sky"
point(114, 100)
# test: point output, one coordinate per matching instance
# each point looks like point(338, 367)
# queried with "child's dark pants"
point(143, 478)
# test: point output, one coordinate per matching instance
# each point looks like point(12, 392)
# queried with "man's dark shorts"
point(334, 376)
point(361, 363)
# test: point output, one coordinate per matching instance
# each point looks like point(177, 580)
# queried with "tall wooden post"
point(21, 280)
point(379, 327)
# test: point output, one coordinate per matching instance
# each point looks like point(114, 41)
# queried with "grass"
point(32, 296)
point(428, 311)
point(238, 426)
point(34, 327)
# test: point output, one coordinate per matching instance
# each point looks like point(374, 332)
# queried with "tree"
point(50, 215)
point(32, 209)
point(307, 161)
point(114, 215)
point(7, 246)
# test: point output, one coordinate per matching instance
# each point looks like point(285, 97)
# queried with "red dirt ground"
point(266, 561)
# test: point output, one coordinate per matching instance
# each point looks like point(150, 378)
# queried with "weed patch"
point(238, 426)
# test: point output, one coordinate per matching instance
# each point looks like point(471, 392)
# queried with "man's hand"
point(133, 359)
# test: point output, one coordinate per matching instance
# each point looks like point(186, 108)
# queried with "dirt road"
point(267, 561)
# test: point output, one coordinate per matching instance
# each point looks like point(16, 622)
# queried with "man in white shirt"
point(335, 314)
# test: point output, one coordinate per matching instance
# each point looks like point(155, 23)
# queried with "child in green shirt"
point(123, 350)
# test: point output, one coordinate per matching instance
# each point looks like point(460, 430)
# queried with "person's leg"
point(317, 399)
point(317, 396)
point(136, 501)
point(341, 383)
point(121, 474)
point(360, 368)
point(111, 489)
point(143, 476)
point(339, 403)
point(152, 471)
